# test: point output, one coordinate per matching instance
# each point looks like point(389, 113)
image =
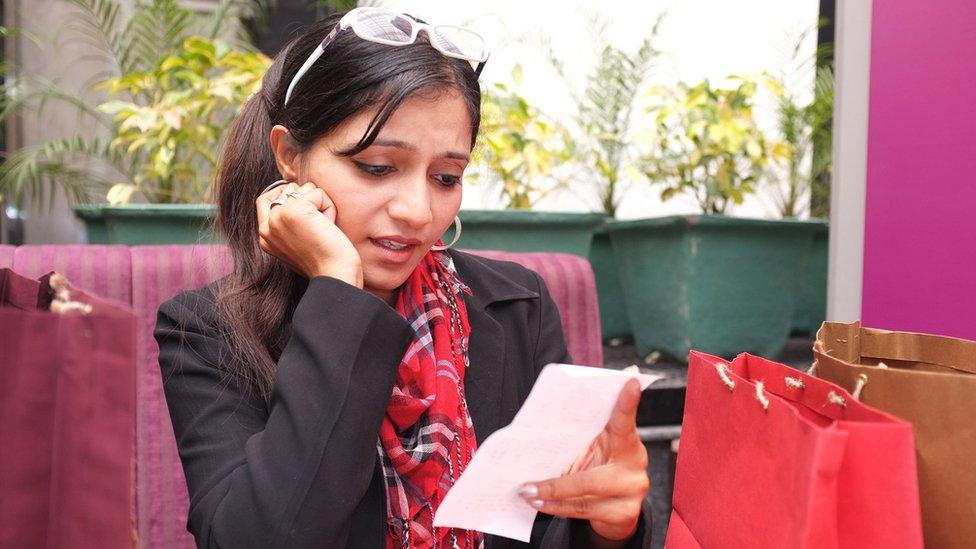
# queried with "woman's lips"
point(393, 256)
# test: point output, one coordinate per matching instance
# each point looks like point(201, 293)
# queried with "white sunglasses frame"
point(350, 19)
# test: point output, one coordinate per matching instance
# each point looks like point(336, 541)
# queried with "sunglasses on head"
point(392, 28)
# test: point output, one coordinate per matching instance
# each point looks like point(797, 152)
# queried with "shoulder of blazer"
point(199, 303)
point(493, 280)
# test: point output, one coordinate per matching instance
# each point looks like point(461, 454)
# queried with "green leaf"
point(117, 107)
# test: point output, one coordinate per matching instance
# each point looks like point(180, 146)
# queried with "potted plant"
point(172, 95)
point(804, 125)
point(525, 156)
point(707, 281)
point(606, 153)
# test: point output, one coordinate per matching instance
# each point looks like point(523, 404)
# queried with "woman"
point(331, 389)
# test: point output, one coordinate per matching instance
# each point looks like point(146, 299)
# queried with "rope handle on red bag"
point(794, 383)
point(723, 372)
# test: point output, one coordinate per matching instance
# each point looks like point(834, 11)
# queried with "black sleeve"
point(556, 531)
point(289, 473)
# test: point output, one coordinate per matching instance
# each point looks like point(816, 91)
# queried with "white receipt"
point(566, 409)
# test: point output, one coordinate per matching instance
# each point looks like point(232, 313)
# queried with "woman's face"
point(403, 191)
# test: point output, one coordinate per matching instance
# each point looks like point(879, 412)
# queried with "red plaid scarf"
point(426, 438)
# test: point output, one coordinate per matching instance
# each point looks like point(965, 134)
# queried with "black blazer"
point(302, 471)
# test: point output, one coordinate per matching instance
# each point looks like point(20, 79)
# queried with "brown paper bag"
point(929, 381)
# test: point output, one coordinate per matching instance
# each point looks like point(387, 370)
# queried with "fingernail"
point(528, 491)
point(537, 503)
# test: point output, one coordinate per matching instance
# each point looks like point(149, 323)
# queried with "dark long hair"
point(256, 302)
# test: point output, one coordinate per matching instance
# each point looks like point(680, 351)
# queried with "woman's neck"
point(389, 296)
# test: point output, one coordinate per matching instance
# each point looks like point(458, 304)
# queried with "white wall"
point(700, 39)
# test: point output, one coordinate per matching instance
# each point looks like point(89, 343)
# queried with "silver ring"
point(284, 198)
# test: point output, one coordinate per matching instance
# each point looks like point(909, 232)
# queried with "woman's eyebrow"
point(409, 147)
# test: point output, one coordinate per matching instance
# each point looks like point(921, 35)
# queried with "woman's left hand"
point(608, 482)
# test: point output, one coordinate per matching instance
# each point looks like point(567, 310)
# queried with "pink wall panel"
point(920, 219)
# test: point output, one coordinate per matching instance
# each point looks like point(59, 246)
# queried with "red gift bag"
point(771, 458)
point(67, 416)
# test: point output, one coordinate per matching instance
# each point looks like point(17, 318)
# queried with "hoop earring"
point(457, 236)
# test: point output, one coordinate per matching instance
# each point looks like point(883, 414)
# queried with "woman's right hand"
point(302, 233)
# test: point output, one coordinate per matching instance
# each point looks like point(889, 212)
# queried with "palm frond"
point(823, 85)
point(155, 29)
point(18, 100)
point(39, 172)
point(231, 12)
point(99, 26)
point(35, 38)
point(606, 108)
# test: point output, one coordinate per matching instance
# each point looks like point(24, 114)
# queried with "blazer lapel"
point(483, 378)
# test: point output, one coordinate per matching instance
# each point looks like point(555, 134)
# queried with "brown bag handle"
point(850, 342)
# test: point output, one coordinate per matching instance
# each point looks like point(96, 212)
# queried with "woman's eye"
point(448, 180)
point(374, 169)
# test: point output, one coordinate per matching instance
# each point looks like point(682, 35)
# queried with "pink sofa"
point(145, 276)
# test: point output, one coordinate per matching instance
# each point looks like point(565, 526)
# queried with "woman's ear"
point(286, 152)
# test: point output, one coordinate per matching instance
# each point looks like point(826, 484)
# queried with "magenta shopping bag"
point(67, 416)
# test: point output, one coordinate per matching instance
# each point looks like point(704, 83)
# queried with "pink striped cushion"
point(159, 273)
point(102, 270)
point(6, 256)
point(570, 281)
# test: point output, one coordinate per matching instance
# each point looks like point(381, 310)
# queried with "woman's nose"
point(412, 203)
